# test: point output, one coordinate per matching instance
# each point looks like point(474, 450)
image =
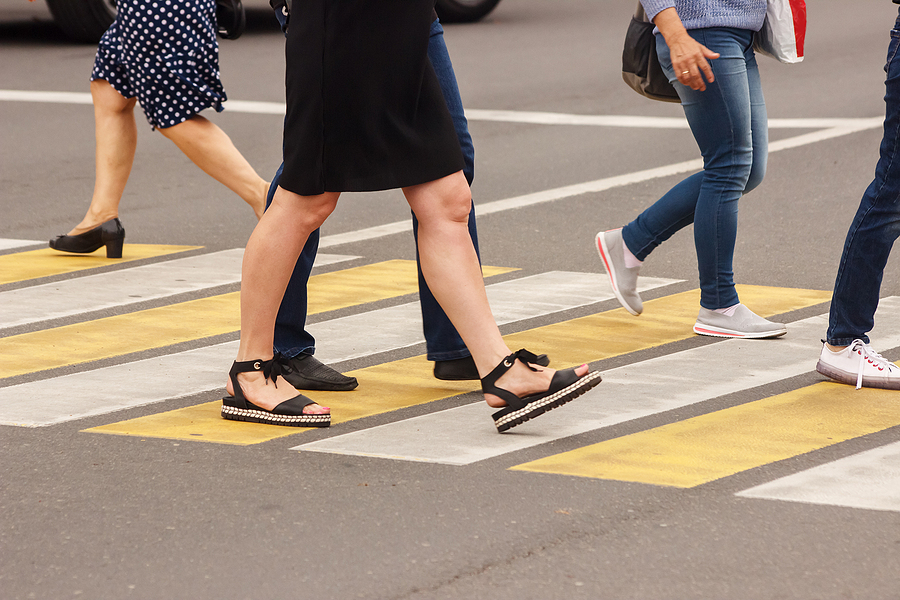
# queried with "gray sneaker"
point(611, 249)
point(744, 323)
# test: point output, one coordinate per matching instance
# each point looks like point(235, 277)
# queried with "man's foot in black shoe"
point(463, 369)
point(305, 372)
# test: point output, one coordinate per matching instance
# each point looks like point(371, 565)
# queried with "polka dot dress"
point(164, 53)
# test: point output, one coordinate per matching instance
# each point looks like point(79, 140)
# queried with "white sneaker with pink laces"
point(859, 364)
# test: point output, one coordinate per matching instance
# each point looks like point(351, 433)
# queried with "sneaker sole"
point(850, 378)
point(603, 251)
point(708, 330)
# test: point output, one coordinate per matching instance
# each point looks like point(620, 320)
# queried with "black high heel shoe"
point(290, 412)
point(110, 234)
point(565, 386)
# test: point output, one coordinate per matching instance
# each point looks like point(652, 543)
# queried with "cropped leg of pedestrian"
point(130, 67)
point(847, 355)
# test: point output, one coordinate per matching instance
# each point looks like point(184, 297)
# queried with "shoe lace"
point(867, 355)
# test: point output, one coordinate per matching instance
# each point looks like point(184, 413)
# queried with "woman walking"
point(705, 47)
point(163, 54)
point(369, 114)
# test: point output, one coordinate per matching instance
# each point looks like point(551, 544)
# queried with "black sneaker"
point(305, 372)
point(463, 369)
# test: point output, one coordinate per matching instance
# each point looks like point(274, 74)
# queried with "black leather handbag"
point(231, 21)
point(640, 64)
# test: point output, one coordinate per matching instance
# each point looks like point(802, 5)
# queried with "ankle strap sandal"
point(290, 412)
point(565, 386)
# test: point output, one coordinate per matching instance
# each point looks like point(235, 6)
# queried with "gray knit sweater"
point(696, 14)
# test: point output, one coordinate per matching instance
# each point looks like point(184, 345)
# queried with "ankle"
point(631, 261)
point(728, 311)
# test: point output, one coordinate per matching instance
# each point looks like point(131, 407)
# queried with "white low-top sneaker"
point(611, 249)
point(744, 323)
point(859, 364)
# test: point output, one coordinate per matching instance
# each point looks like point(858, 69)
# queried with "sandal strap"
point(488, 382)
point(269, 368)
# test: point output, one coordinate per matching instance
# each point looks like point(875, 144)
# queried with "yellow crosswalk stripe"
point(409, 382)
point(193, 320)
point(715, 445)
point(664, 320)
point(22, 266)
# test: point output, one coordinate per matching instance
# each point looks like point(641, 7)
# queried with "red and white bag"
point(783, 32)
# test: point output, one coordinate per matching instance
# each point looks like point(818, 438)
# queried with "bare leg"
point(212, 150)
point(269, 260)
point(116, 139)
point(453, 273)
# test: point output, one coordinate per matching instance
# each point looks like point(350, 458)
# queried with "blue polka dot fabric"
point(164, 53)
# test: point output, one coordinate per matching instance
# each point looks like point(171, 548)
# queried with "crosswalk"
point(75, 332)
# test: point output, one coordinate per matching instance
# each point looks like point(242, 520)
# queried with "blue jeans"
point(729, 123)
point(875, 227)
point(441, 338)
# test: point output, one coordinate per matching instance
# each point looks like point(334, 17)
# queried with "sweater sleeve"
point(654, 7)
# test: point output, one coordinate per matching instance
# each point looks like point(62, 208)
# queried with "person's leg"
point(442, 341)
point(451, 267)
point(720, 119)
point(116, 139)
point(212, 150)
point(874, 230)
point(293, 344)
point(846, 355)
point(269, 259)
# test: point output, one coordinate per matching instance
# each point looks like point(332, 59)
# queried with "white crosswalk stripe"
point(61, 399)
point(460, 436)
point(868, 480)
point(465, 435)
point(11, 244)
point(127, 286)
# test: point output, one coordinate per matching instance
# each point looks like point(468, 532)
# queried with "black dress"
point(364, 108)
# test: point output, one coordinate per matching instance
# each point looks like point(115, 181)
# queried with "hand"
point(689, 57)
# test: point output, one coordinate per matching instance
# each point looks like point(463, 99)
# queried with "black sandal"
point(564, 386)
point(290, 412)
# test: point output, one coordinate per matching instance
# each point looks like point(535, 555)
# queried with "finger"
point(690, 76)
point(707, 71)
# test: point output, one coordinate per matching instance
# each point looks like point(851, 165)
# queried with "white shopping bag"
point(783, 32)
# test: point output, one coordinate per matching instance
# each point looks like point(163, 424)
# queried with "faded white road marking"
point(466, 434)
point(127, 286)
point(79, 395)
point(8, 244)
point(869, 479)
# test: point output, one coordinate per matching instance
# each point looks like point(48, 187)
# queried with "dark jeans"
point(729, 123)
point(441, 338)
point(875, 227)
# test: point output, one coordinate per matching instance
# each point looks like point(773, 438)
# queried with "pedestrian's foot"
point(305, 372)
point(611, 249)
point(742, 323)
point(92, 221)
point(858, 364)
point(268, 392)
point(522, 381)
point(523, 390)
point(463, 369)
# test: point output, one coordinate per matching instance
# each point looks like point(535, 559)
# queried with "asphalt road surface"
point(699, 468)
